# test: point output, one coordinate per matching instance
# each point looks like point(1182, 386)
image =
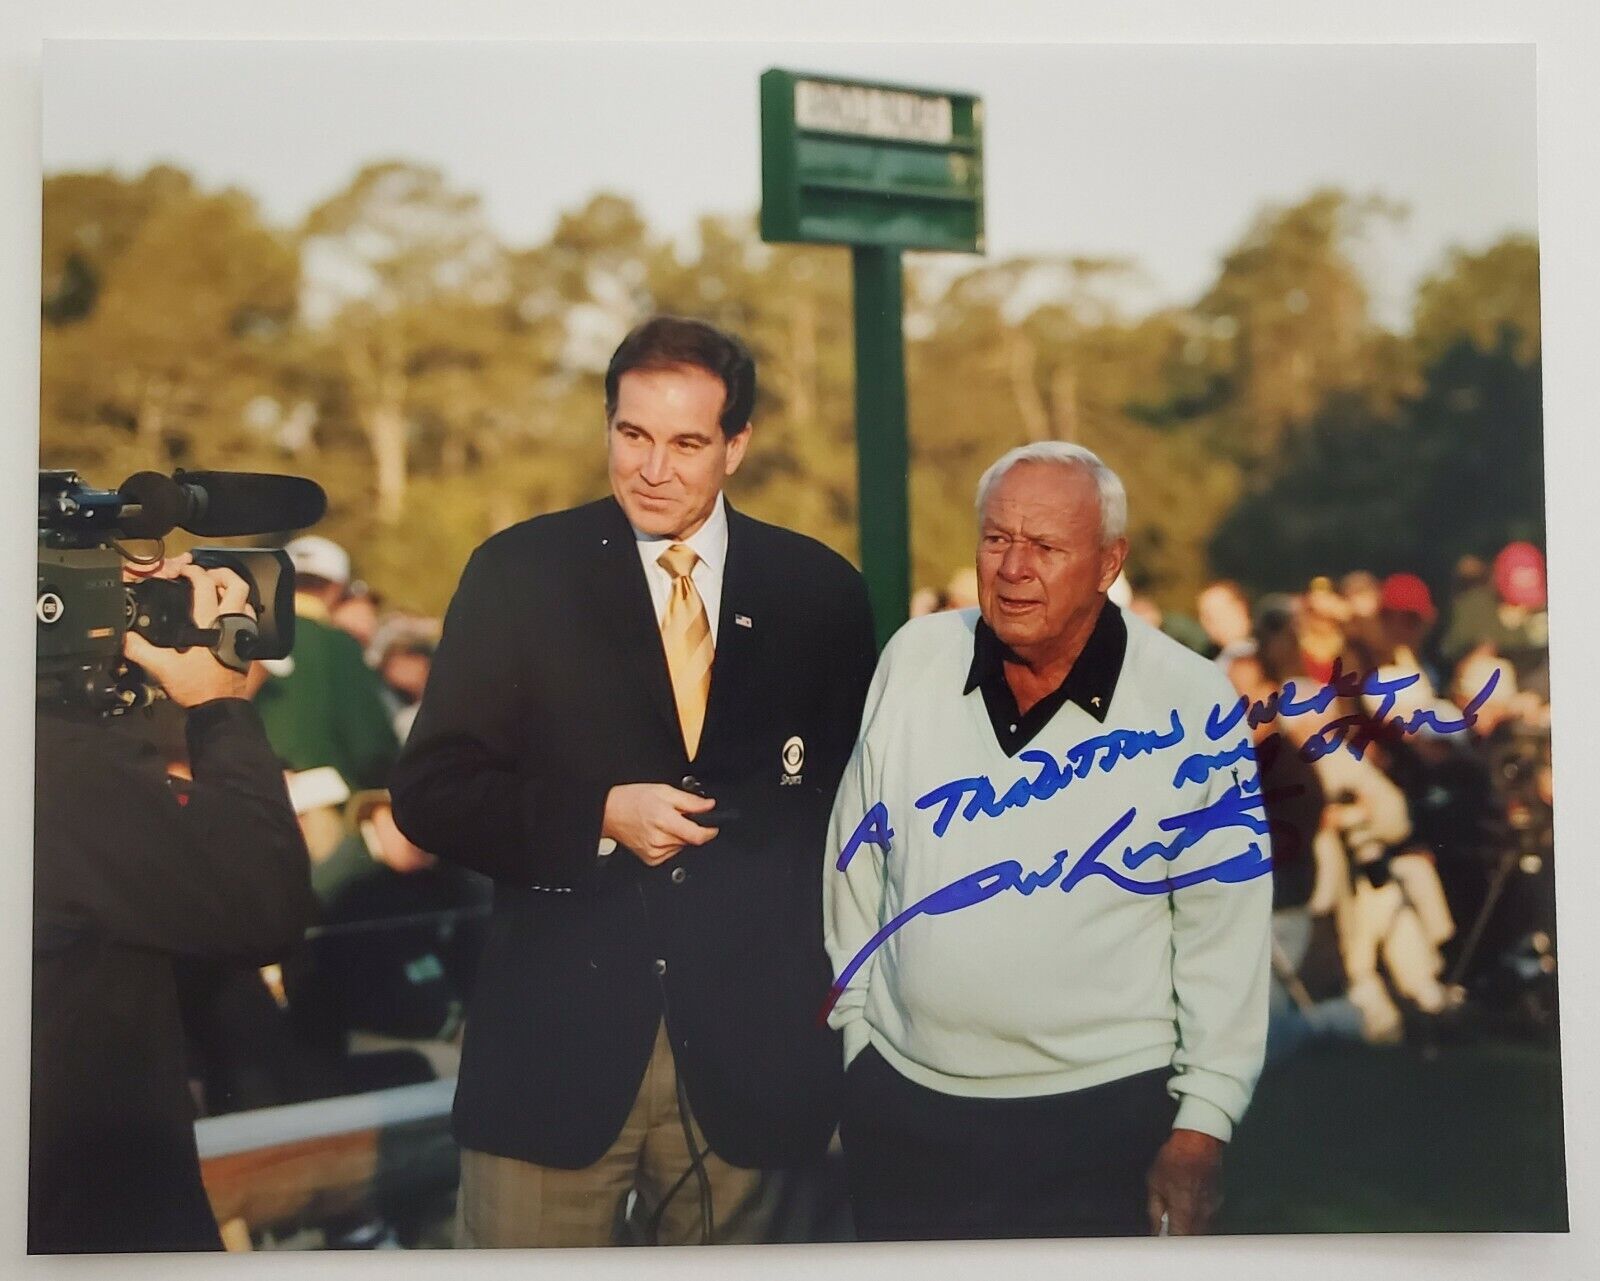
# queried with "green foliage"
point(442, 385)
point(187, 300)
point(1457, 469)
point(1482, 298)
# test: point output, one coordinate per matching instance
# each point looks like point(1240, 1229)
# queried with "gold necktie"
point(686, 636)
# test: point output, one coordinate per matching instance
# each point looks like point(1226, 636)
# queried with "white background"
point(1569, 230)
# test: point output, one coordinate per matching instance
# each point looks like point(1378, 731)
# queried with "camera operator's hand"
point(193, 676)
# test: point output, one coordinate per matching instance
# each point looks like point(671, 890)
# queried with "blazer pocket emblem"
point(794, 759)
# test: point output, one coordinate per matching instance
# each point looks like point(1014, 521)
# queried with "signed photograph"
point(743, 643)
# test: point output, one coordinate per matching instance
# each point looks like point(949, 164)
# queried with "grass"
point(1348, 1138)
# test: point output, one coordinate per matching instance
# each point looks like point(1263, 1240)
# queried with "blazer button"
point(660, 966)
point(679, 876)
point(690, 783)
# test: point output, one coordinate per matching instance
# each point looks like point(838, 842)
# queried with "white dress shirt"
point(710, 543)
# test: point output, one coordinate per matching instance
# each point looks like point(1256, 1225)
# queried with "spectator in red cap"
point(1519, 576)
point(1407, 614)
point(1524, 633)
point(1407, 594)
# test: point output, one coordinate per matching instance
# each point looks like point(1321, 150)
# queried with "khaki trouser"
point(509, 1203)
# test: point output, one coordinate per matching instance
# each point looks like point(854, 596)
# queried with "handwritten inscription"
point(1235, 808)
point(1283, 703)
point(1105, 751)
point(1242, 806)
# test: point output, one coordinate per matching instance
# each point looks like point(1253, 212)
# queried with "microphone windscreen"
point(160, 502)
point(221, 504)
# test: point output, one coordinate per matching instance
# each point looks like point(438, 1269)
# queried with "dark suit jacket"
point(550, 687)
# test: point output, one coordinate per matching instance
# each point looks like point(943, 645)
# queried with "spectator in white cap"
point(323, 705)
point(321, 567)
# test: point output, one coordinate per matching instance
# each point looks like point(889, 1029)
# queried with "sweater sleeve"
point(1221, 957)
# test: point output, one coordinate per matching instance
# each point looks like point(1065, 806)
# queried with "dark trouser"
point(927, 1165)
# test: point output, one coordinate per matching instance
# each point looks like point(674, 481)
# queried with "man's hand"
point(194, 676)
point(395, 851)
point(650, 819)
point(1183, 1183)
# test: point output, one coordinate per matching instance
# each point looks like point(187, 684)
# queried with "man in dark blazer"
point(635, 723)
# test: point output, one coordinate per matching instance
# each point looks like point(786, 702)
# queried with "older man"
point(1045, 897)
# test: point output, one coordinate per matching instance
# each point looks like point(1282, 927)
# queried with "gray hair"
point(1113, 497)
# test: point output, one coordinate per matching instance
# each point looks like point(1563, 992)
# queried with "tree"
point(191, 300)
point(790, 304)
point(89, 220)
point(1459, 468)
point(1479, 298)
point(1289, 313)
point(441, 384)
point(401, 275)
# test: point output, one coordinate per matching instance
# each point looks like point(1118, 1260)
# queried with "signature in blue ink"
point(873, 829)
point(1237, 807)
point(1200, 766)
point(1053, 775)
point(1282, 702)
point(1233, 809)
point(1355, 733)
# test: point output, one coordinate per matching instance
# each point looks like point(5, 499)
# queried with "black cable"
point(697, 1154)
point(696, 1167)
point(696, 1159)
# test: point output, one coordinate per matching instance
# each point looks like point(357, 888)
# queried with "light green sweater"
point(1054, 976)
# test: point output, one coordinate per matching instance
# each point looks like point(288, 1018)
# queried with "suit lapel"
point(630, 620)
point(736, 667)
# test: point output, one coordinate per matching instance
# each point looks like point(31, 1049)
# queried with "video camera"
point(84, 608)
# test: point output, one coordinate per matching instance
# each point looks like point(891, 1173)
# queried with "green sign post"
point(881, 168)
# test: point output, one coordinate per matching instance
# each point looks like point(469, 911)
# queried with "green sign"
point(880, 168)
point(851, 163)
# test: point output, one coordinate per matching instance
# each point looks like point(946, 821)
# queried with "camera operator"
point(133, 870)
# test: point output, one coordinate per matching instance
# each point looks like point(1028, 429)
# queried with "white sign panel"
point(873, 113)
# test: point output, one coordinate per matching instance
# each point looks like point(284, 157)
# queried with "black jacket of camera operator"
point(133, 869)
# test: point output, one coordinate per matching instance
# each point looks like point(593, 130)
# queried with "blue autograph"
point(1233, 809)
point(1113, 748)
point(1200, 766)
point(1282, 702)
point(1354, 733)
point(1337, 733)
point(1242, 805)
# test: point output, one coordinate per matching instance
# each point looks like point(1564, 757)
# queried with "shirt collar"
point(709, 542)
point(1091, 682)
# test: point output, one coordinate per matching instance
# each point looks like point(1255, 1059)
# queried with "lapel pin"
point(742, 620)
point(1095, 700)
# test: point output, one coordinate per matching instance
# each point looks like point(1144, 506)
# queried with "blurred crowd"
point(1413, 893)
point(375, 996)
